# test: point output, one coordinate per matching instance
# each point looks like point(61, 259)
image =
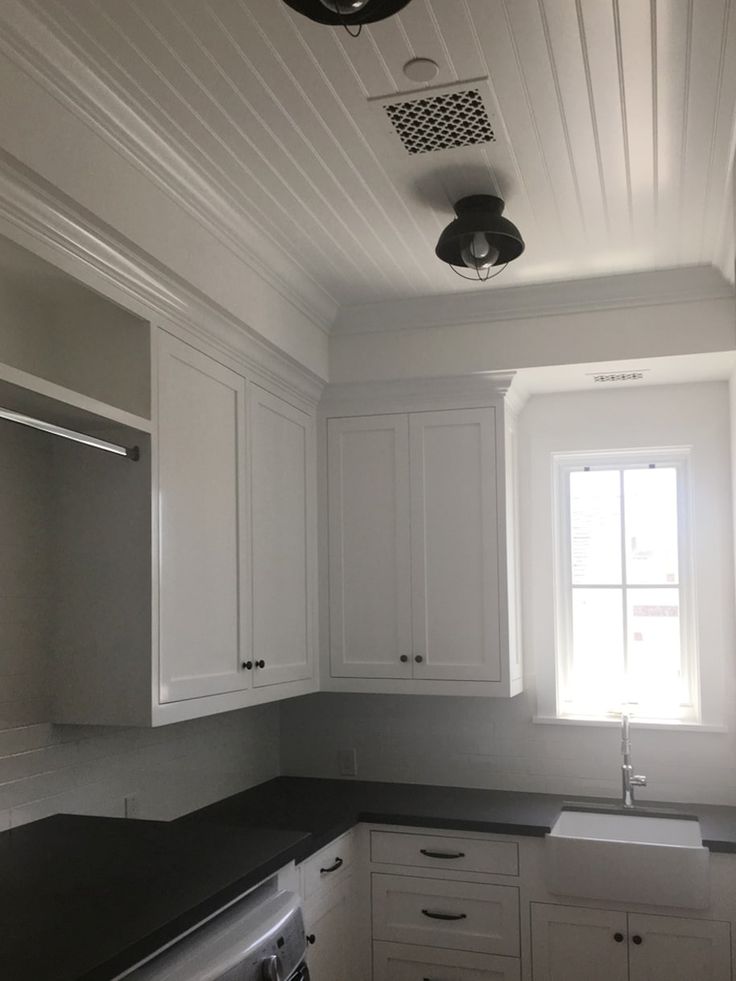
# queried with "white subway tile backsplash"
point(478, 742)
point(47, 769)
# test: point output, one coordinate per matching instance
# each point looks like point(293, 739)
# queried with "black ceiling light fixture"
point(479, 239)
point(347, 13)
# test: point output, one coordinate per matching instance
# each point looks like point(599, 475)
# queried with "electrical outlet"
point(132, 807)
point(347, 761)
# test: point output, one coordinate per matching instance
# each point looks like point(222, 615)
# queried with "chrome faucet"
point(628, 779)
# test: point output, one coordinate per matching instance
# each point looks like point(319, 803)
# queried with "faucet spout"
point(629, 779)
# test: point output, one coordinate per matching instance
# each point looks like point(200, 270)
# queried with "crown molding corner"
point(655, 287)
point(33, 47)
point(37, 216)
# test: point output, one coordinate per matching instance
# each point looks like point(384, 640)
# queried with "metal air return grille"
point(619, 376)
point(441, 122)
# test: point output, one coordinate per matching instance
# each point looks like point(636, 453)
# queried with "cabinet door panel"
point(674, 948)
point(281, 538)
point(369, 565)
point(455, 598)
point(574, 944)
point(201, 504)
point(403, 962)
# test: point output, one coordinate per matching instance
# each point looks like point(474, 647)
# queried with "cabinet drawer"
point(327, 867)
point(440, 852)
point(399, 962)
point(442, 913)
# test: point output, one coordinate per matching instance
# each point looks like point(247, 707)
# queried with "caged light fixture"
point(347, 13)
point(479, 239)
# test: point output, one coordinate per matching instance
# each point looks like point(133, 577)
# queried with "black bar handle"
point(433, 915)
point(332, 868)
point(431, 854)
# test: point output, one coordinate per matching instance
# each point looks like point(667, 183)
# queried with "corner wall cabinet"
point(420, 552)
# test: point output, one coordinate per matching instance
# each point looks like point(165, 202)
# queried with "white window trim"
point(565, 463)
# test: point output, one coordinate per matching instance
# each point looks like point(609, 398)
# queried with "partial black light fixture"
point(479, 239)
point(347, 13)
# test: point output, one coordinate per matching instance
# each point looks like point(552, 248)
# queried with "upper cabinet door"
point(202, 507)
point(454, 533)
point(282, 536)
point(369, 562)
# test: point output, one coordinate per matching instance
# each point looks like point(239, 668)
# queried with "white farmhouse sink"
point(629, 858)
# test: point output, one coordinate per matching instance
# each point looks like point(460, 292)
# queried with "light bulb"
point(344, 7)
point(479, 253)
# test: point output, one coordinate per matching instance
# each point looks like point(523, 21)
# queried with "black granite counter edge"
point(148, 946)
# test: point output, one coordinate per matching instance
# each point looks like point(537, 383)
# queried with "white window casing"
point(573, 699)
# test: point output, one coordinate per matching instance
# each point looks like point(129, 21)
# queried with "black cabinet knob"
point(404, 658)
point(260, 664)
point(246, 665)
point(418, 658)
point(311, 939)
point(637, 939)
point(618, 937)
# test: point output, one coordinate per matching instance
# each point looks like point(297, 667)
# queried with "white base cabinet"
point(329, 886)
point(577, 944)
point(405, 962)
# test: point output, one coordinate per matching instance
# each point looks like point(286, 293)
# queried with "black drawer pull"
point(431, 854)
point(637, 939)
point(310, 938)
point(332, 868)
point(434, 915)
point(618, 937)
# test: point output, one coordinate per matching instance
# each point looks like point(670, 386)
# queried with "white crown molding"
point(652, 288)
point(416, 394)
point(34, 213)
point(26, 40)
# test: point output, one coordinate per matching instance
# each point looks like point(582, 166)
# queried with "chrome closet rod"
point(131, 452)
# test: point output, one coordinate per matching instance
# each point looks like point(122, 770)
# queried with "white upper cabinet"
point(420, 553)
point(369, 545)
point(454, 545)
point(202, 505)
point(282, 535)
point(207, 547)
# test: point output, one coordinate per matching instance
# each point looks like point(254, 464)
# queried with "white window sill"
point(672, 726)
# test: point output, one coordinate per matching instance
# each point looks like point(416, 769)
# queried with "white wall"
point(694, 415)
point(494, 742)
point(644, 331)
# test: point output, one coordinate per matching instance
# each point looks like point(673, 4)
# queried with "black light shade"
point(372, 11)
point(479, 238)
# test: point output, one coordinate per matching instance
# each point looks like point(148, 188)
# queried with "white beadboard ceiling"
point(614, 128)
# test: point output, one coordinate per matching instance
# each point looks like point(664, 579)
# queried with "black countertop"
point(84, 898)
point(326, 808)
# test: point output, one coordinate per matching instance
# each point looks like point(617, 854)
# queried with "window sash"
point(620, 461)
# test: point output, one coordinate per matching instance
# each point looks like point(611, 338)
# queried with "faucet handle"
point(638, 780)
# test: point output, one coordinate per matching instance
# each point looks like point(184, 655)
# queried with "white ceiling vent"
point(445, 118)
point(619, 376)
